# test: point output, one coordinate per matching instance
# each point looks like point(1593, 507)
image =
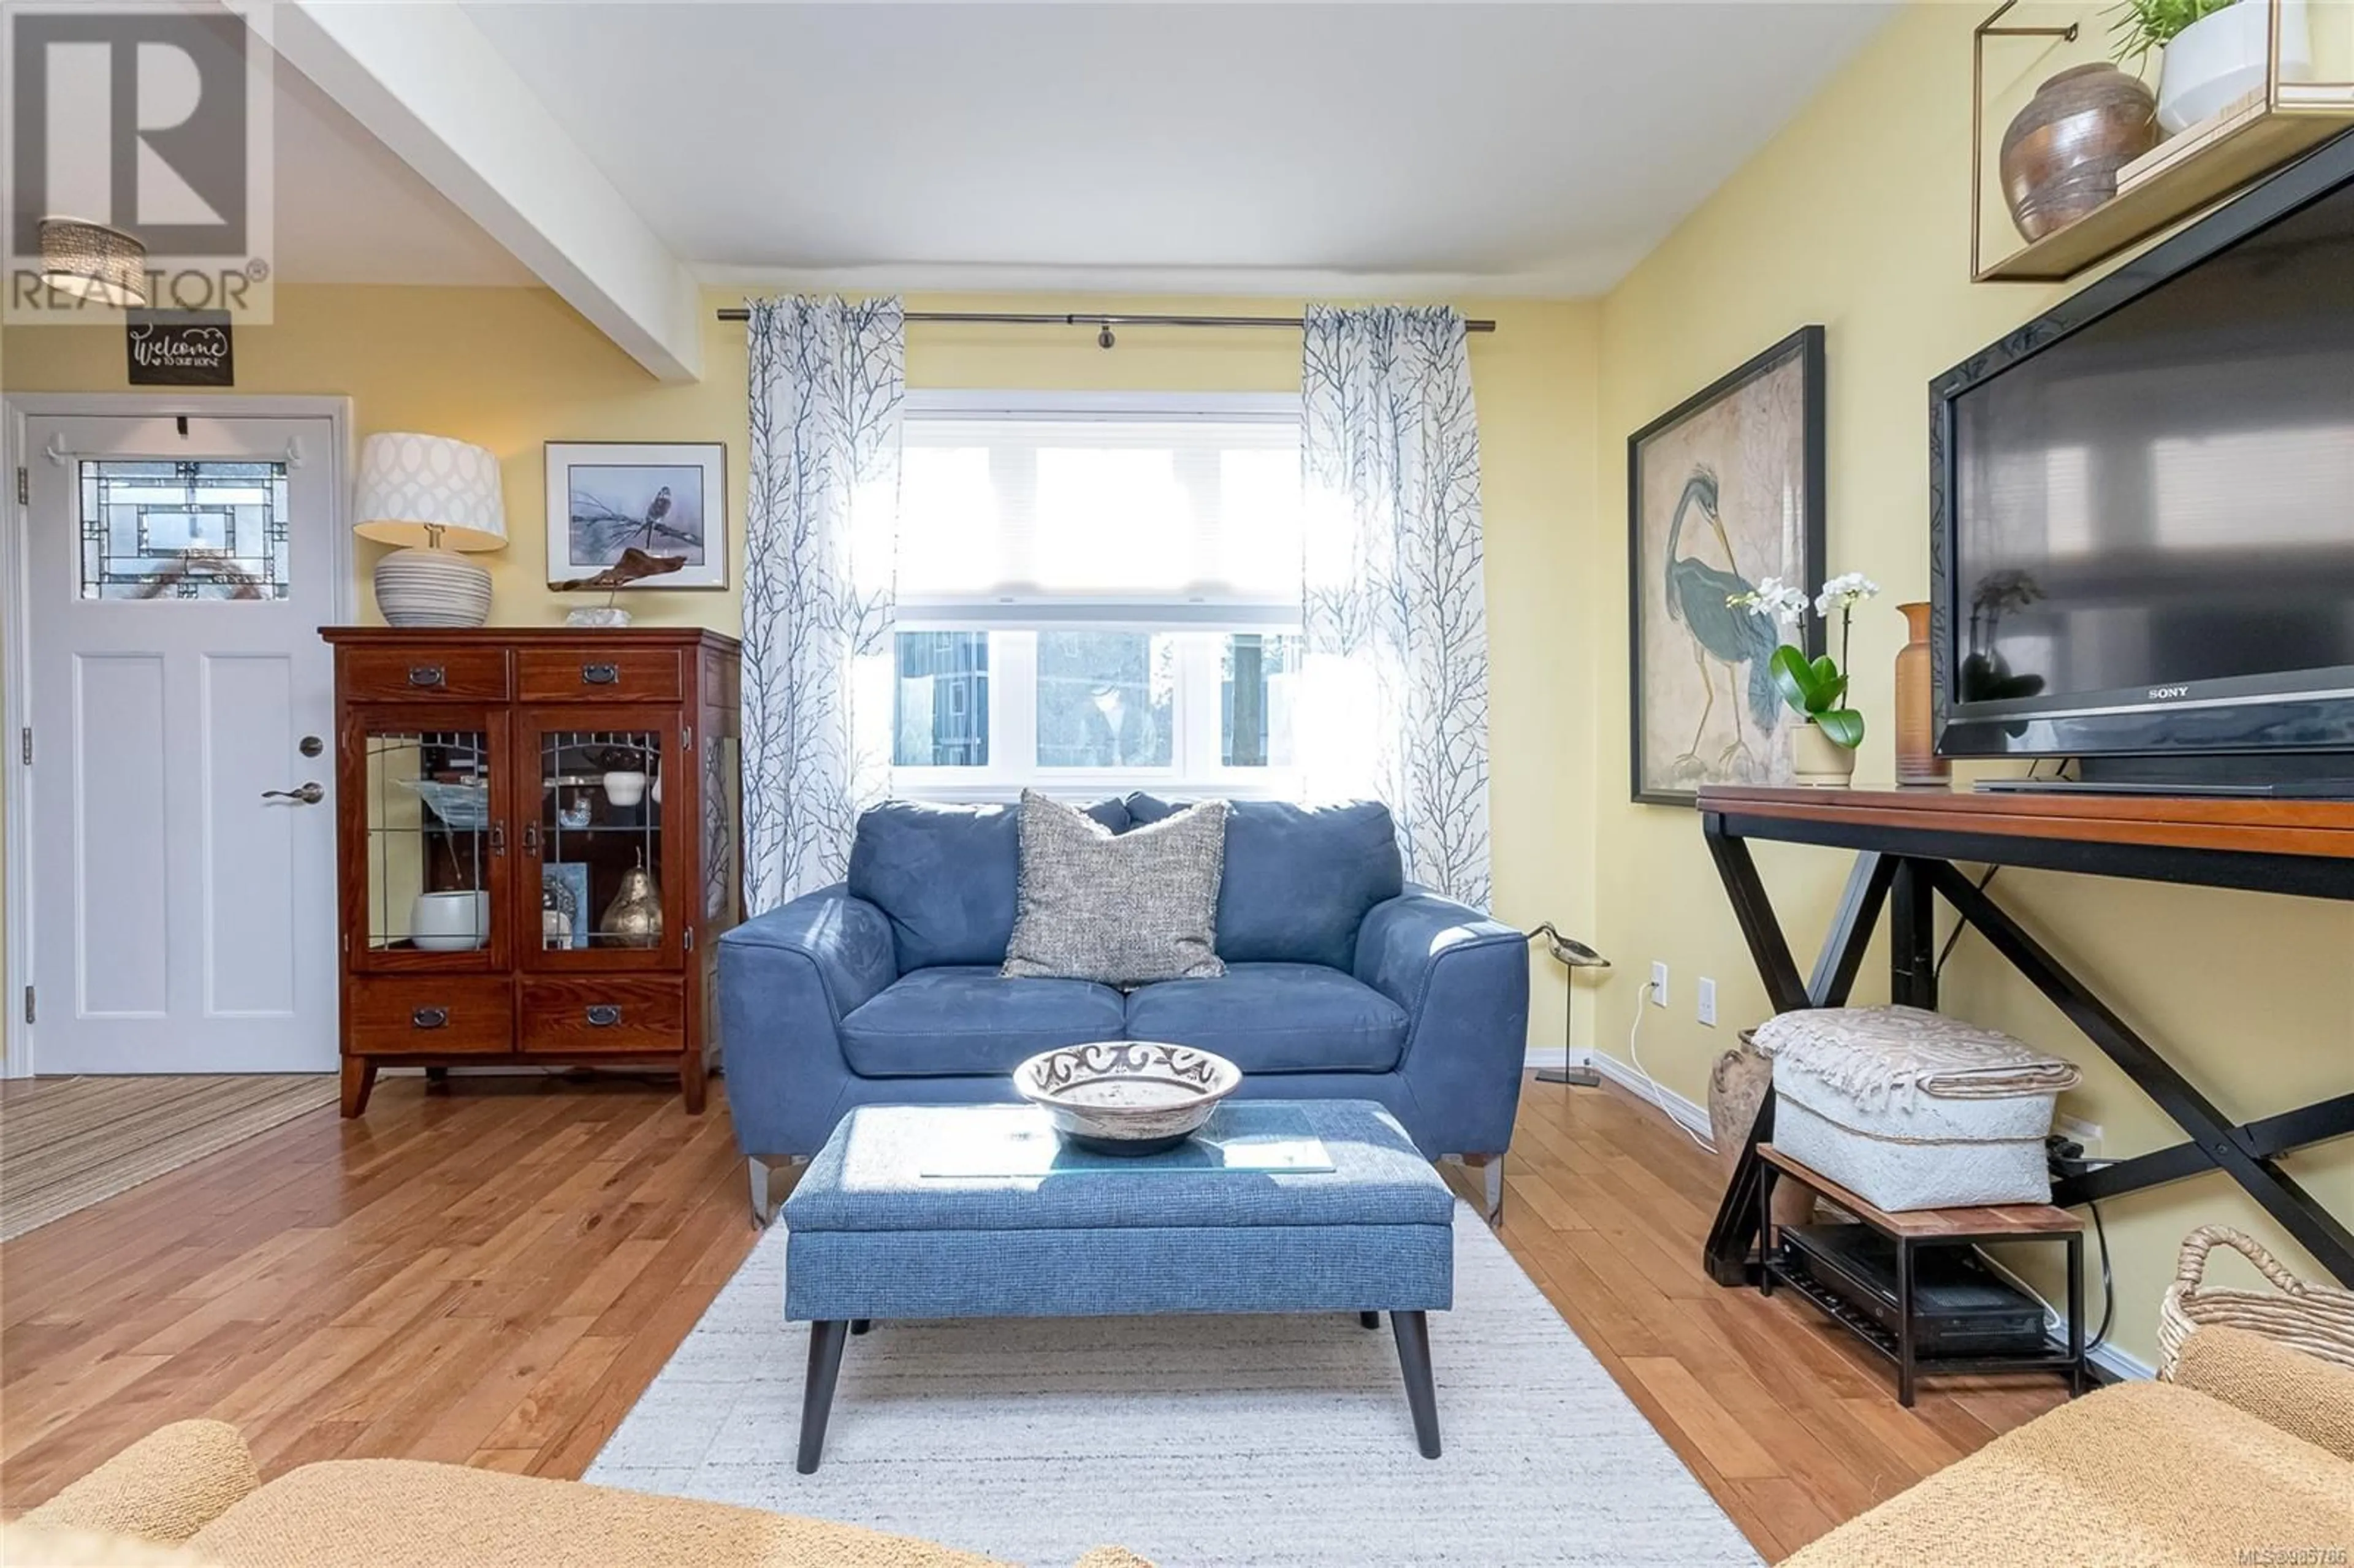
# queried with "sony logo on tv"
point(2166, 694)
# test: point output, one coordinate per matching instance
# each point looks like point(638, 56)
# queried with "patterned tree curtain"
point(1394, 702)
point(827, 386)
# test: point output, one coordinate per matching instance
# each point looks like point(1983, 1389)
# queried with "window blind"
point(1121, 519)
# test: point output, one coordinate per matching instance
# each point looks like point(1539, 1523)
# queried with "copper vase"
point(2062, 152)
point(634, 919)
point(1917, 761)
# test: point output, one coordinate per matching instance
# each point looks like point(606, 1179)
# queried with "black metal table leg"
point(1413, 1332)
point(2075, 1314)
point(1913, 936)
point(1766, 1177)
point(1904, 1345)
point(826, 1339)
point(1369, 1319)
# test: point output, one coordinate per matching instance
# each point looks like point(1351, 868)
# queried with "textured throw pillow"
point(1122, 909)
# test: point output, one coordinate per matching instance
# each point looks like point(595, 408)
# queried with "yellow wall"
point(1853, 217)
point(511, 368)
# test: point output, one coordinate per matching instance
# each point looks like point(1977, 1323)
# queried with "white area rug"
point(1198, 1442)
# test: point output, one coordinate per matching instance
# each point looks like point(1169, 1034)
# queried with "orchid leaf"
point(1844, 726)
point(1791, 677)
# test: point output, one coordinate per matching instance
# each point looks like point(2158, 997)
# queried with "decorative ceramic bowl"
point(1127, 1097)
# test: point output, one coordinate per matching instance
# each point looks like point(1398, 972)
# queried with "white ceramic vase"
point(450, 922)
point(2223, 56)
point(625, 788)
point(1818, 760)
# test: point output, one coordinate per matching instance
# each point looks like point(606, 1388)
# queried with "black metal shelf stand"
point(1778, 1266)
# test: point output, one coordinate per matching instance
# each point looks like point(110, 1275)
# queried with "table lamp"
point(434, 497)
point(1573, 955)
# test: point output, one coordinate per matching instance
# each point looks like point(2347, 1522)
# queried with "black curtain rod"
point(1016, 318)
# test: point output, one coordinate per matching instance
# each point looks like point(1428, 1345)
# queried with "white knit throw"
point(1873, 1054)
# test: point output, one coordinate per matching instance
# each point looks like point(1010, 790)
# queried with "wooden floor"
point(493, 1275)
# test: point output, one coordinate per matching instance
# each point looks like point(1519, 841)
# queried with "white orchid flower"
point(1775, 599)
point(1844, 592)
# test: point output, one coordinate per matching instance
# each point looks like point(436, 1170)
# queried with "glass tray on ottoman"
point(1019, 1142)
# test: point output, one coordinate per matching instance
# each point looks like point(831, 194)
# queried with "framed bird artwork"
point(1724, 490)
point(662, 499)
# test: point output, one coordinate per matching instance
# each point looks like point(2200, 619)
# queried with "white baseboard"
point(1692, 1118)
point(2119, 1365)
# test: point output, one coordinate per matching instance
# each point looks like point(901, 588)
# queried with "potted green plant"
point(1822, 752)
point(2215, 51)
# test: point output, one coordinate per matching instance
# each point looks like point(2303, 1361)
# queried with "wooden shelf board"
point(1989, 1222)
point(2189, 173)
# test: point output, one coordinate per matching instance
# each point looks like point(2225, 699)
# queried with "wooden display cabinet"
point(538, 839)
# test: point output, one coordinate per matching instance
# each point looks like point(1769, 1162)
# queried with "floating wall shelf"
point(2182, 175)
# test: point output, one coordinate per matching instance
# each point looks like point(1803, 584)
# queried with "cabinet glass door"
point(432, 843)
point(606, 861)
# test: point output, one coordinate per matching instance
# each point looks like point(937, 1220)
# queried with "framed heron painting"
point(1724, 490)
point(667, 499)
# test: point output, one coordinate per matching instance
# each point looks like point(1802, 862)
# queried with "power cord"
point(1658, 1095)
point(2067, 1159)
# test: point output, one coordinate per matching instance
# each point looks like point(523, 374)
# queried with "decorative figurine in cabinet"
point(539, 838)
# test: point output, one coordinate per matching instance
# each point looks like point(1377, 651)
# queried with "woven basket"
point(2315, 1319)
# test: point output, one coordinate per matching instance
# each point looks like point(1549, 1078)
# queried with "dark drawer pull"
point(599, 674)
point(604, 1016)
point(427, 675)
point(429, 1018)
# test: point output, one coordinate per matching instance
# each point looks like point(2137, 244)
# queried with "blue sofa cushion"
point(1275, 1018)
point(966, 1023)
point(945, 874)
point(1298, 878)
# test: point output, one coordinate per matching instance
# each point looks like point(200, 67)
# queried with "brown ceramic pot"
point(1917, 761)
point(2062, 154)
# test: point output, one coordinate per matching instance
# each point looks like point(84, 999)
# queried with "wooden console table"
point(1906, 842)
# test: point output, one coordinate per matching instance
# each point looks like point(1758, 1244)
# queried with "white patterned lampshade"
point(411, 484)
point(433, 496)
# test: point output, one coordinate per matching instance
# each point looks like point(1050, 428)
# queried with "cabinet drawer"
point(392, 674)
point(425, 1016)
point(623, 1012)
point(596, 674)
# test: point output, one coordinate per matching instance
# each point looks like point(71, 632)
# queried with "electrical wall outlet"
point(1707, 994)
point(2087, 1133)
point(1658, 984)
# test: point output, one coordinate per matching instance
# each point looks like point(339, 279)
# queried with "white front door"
point(183, 757)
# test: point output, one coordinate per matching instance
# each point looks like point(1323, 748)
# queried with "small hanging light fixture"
point(94, 262)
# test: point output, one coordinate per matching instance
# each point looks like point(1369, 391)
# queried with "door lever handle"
point(309, 794)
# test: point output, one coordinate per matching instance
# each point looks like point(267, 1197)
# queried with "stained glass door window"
point(208, 529)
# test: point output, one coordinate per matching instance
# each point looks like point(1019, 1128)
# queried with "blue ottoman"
point(881, 1226)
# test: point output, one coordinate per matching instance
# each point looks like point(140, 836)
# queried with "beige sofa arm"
point(2302, 1396)
point(165, 1488)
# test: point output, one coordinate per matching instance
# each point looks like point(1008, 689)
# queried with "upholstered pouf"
point(888, 1223)
point(1909, 1110)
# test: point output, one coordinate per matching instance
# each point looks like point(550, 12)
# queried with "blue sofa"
point(1342, 981)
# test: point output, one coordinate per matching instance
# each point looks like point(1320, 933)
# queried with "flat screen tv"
point(2143, 508)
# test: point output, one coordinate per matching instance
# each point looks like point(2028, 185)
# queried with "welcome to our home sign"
point(180, 348)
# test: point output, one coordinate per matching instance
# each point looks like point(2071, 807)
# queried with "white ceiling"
point(349, 211)
point(1516, 148)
